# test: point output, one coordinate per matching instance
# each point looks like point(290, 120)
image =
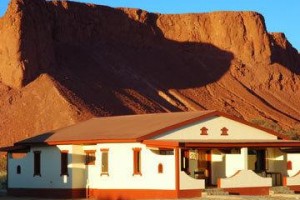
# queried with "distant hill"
point(63, 62)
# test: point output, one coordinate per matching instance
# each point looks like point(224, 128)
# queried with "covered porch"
point(238, 166)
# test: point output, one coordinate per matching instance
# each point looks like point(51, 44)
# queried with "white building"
point(166, 155)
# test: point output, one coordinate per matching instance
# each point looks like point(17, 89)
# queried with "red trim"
point(248, 190)
point(90, 141)
point(161, 144)
point(108, 194)
point(203, 131)
point(169, 128)
point(224, 131)
point(289, 165)
point(48, 193)
point(137, 161)
point(114, 194)
point(240, 144)
point(211, 114)
point(219, 183)
point(284, 181)
point(190, 193)
point(296, 188)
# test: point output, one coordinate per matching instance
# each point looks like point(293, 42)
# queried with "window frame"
point(37, 163)
point(64, 161)
point(104, 151)
point(137, 164)
point(88, 160)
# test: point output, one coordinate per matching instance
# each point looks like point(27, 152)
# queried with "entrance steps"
point(281, 190)
point(214, 191)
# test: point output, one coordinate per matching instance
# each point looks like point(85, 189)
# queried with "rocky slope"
point(63, 62)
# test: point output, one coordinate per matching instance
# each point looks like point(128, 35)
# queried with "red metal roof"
point(130, 128)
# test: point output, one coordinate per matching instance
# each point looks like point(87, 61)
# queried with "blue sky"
point(280, 16)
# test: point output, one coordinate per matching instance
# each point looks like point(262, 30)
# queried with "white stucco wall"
point(245, 178)
point(81, 175)
point(293, 180)
point(187, 182)
point(120, 158)
point(295, 159)
point(225, 165)
point(236, 162)
point(78, 167)
point(50, 170)
point(214, 125)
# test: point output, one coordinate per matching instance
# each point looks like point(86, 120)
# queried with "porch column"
point(244, 153)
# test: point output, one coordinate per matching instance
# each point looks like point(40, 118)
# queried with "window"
point(18, 169)
point(64, 163)
point(203, 131)
point(90, 157)
point(104, 161)
point(160, 168)
point(137, 161)
point(37, 163)
point(224, 131)
point(166, 152)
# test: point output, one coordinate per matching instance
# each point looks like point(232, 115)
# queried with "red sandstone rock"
point(97, 61)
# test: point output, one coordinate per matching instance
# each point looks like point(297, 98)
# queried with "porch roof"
point(221, 143)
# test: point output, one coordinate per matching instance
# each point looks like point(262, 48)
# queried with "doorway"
point(197, 164)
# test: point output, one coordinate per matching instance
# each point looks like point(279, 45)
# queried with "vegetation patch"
point(293, 133)
point(3, 174)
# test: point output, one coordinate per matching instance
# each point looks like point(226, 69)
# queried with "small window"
point(37, 163)
point(104, 161)
point(224, 131)
point(137, 161)
point(160, 168)
point(166, 152)
point(90, 157)
point(18, 169)
point(64, 163)
point(203, 131)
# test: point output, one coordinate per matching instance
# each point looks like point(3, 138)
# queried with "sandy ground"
point(3, 196)
point(229, 197)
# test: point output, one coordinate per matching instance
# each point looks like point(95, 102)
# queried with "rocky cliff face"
point(63, 62)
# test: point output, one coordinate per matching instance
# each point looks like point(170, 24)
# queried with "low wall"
point(292, 182)
point(246, 182)
point(188, 183)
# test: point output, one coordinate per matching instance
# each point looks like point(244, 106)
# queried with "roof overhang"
point(16, 149)
point(221, 144)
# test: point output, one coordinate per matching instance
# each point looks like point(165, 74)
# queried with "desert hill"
point(63, 62)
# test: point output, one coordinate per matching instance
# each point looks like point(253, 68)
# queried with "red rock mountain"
point(63, 62)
